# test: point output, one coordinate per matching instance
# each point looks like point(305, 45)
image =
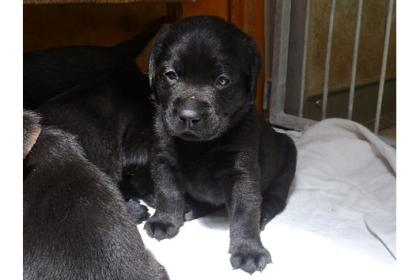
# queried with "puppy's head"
point(204, 73)
point(31, 130)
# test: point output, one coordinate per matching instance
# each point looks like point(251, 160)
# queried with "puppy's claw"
point(262, 262)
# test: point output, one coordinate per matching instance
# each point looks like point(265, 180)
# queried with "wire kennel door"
point(276, 86)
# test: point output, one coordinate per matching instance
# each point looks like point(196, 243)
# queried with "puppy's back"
point(75, 223)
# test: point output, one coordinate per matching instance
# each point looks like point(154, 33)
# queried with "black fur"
point(112, 119)
point(202, 140)
point(47, 73)
point(210, 142)
point(75, 224)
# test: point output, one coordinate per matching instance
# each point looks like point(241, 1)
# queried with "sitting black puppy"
point(206, 143)
point(210, 142)
point(49, 72)
point(75, 225)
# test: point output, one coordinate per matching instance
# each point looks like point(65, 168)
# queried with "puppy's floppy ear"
point(156, 52)
point(254, 63)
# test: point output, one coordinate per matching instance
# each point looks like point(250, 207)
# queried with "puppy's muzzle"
point(192, 119)
point(191, 113)
point(189, 117)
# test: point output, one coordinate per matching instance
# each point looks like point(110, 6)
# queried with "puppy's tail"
point(132, 47)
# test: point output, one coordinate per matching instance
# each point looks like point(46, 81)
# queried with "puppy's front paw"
point(250, 258)
point(162, 227)
point(138, 212)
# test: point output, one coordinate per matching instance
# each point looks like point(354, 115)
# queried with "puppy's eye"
point(171, 75)
point(222, 81)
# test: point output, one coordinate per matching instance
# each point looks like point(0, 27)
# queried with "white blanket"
point(339, 222)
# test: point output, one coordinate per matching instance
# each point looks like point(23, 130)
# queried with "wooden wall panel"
point(46, 26)
point(218, 8)
point(249, 16)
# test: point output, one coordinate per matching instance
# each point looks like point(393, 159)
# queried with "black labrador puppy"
point(112, 118)
point(75, 225)
point(196, 137)
point(49, 72)
point(210, 141)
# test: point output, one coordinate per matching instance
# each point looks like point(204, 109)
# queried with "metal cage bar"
point(280, 54)
point(355, 58)
point(282, 38)
point(328, 60)
point(281, 43)
point(304, 58)
point(383, 67)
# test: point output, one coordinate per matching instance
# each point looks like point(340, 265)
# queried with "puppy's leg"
point(275, 196)
point(170, 200)
point(244, 202)
point(196, 209)
point(136, 184)
point(193, 209)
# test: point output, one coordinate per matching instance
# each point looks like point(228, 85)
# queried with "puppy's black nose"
point(189, 117)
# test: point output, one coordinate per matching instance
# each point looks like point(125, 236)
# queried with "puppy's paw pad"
point(161, 229)
point(251, 261)
point(138, 212)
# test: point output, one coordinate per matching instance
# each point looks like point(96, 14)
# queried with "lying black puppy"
point(49, 72)
point(210, 141)
point(75, 225)
point(112, 118)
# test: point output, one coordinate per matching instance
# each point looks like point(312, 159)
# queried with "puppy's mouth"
point(189, 136)
point(197, 136)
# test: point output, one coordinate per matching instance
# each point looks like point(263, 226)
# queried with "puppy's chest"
point(207, 175)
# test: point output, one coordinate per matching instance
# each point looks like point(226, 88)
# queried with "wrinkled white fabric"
point(339, 222)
